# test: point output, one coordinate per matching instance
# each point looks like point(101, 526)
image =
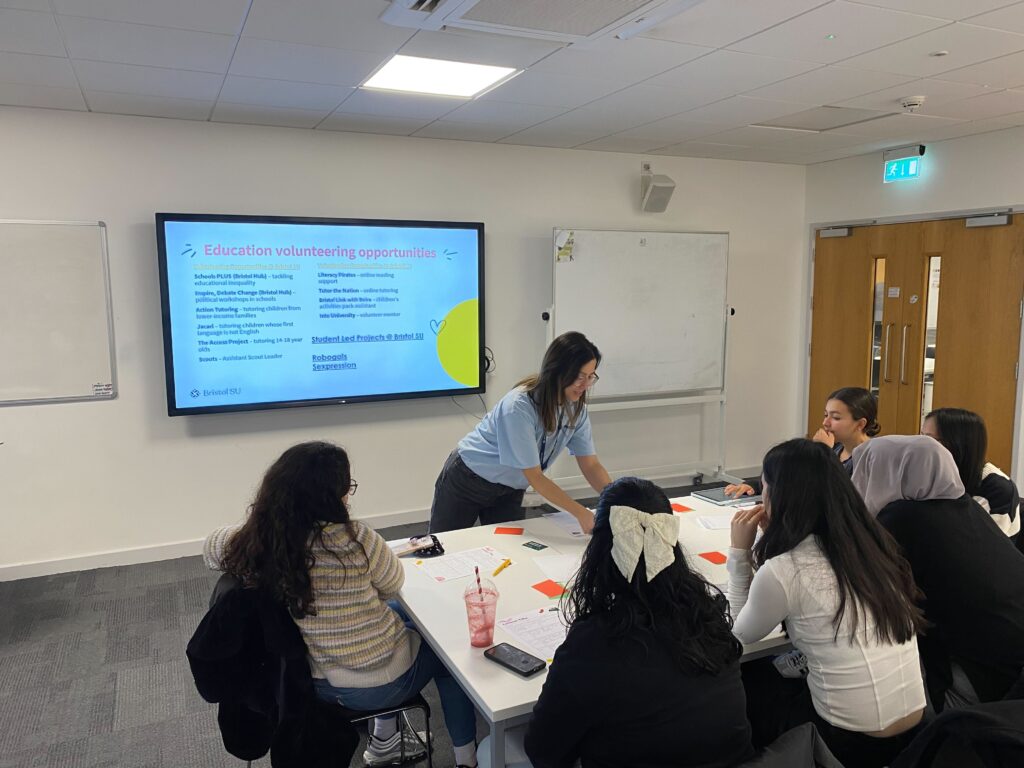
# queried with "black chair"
point(799, 747)
point(989, 735)
point(248, 656)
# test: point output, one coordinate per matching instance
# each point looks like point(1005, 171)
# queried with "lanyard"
point(544, 461)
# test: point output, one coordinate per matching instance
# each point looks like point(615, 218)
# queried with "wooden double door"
point(926, 315)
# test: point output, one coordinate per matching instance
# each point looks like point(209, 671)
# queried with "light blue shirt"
point(508, 440)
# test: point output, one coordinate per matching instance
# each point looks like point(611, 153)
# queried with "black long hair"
point(808, 491)
point(862, 405)
point(300, 495)
point(964, 435)
point(678, 606)
point(564, 358)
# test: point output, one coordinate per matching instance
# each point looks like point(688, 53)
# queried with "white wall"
point(966, 174)
point(79, 480)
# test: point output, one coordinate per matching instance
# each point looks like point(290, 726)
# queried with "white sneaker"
point(403, 747)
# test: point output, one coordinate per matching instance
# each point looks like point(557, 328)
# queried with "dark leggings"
point(461, 496)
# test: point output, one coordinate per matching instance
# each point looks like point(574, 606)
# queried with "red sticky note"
point(714, 557)
point(551, 588)
point(681, 508)
point(510, 531)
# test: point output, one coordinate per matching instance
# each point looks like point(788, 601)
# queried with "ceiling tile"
point(261, 114)
point(150, 46)
point(302, 63)
point(703, 149)
point(148, 81)
point(771, 155)
point(503, 113)
point(820, 142)
point(22, 95)
point(954, 10)
point(672, 130)
point(27, 5)
point(224, 16)
point(742, 110)
point(756, 136)
point(584, 121)
point(1004, 72)
point(549, 90)
point(828, 85)
point(824, 118)
point(384, 104)
point(1009, 19)
point(981, 107)
point(936, 92)
point(956, 130)
point(551, 135)
point(619, 143)
point(331, 23)
point(287, 95)
point(30, 32)
point(462, 131)
point(727, 73)
point(390, 126)
point(722, 22)
point(479, 48)
point(897, 127)
point(148, 106)
point(965, 44)
point(647, 102)
point(620, 62)
point(856, 28)
point(29, 69)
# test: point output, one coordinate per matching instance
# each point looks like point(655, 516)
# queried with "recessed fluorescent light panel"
point(438, 77)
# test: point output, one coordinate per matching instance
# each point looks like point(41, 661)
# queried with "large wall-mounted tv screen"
point(268, 312)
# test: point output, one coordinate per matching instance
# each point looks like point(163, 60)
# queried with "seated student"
point(836, 578)
point(964, 435)
point(851, 419)
point(335, 575)
point(971, 574)
point(648, 675)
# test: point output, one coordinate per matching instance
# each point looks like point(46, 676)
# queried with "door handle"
point(903, 356)
point(885, 358)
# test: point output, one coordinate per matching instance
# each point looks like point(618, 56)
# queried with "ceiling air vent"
point(567, 21)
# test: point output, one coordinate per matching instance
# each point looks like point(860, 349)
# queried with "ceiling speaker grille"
point(566, 17)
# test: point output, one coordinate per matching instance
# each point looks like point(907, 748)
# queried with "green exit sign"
point(904, 168)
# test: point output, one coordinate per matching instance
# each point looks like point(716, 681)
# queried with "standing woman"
point(487, 475)
point(964, 435)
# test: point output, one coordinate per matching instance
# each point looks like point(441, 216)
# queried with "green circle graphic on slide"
point(458, 343)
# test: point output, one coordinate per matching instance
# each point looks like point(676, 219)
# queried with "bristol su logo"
point(194, 393)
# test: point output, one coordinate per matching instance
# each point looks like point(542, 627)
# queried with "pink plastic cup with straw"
point(481, 605)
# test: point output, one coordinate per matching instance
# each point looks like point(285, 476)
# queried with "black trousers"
point(461, 496)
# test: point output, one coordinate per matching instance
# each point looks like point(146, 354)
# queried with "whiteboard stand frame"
point(705, 469)
point(112, 394)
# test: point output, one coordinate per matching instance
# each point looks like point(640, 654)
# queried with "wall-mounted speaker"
point(655, 191)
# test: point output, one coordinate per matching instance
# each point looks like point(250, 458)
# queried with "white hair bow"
point(635, 533)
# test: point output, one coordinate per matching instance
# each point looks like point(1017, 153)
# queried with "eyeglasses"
point(352, 488)
point(590, 380)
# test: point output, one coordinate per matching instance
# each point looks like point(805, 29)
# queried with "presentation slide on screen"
point(269, 312)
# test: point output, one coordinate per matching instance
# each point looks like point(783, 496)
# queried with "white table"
point(503, 698)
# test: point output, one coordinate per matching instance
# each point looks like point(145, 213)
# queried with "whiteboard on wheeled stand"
point(654, 303)
point(56, 323)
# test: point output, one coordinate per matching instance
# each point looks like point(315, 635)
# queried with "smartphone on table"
point(519, 661)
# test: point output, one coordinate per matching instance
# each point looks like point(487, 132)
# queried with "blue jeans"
point(459, 715)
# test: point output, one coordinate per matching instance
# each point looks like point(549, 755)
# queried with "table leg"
point(498, 745)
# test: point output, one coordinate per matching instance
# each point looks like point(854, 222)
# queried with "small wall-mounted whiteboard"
point(56, 326)
point(653, 302)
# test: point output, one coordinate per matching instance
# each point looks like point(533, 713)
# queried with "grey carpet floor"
point(93, 671)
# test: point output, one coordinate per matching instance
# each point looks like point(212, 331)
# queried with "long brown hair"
point(559, 369)
point(300, 495)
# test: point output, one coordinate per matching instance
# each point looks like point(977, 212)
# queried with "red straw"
point(479, 586)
